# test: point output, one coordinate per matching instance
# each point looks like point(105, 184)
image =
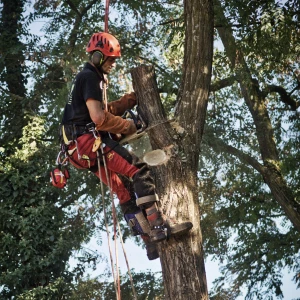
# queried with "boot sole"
point(159, 239)
point(152, 256)
point(180, 229)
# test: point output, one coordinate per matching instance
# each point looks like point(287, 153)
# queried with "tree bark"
point(11, 49)
point(182, 258)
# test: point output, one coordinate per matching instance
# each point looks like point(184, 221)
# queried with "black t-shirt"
point(86, 85)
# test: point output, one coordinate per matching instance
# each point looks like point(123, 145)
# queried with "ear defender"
point(97, 58)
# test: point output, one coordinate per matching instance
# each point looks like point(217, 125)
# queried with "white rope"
point(119, 230)
point(115, 219)
point(106, 225)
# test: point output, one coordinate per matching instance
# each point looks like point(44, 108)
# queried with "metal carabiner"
point(58, 159)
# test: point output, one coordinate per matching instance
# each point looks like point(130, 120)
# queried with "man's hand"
point(131, 99)
point(131, 129)
point(118, 107)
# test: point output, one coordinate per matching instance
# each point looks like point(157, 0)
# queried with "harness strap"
point(70, 152)
point(143, 222)
point(66, 141)
point(146, 199)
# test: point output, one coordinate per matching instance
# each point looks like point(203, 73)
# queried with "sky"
point(137, 256)
point(138, 260)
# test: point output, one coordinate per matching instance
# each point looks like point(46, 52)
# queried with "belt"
point(69, 133)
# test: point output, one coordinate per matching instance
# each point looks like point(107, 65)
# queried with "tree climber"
point(88, 118)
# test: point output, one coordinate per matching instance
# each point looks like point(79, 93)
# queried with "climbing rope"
point(127, 264)
point(115, 269)
point(108, 178)
point(106, 16)
point(106, 226)
point(114, 214)
point(116, 274)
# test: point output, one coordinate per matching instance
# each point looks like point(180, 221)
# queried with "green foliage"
point(39, 227)
point(37, 235)
point(242, 224)
point(147, 285)
point(59, 289)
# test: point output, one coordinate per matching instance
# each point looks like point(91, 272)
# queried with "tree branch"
point(172, 21)
point(157, 66)
point(77, 22)
point(17, 97)
point(284, 96)
point(73, 7)
point(237, 25)
point(220, 84)
point(219, 146)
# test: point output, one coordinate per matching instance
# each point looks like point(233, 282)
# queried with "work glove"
point(116, 124)
point(130, 99)
point(130, 129)
point(118, 107)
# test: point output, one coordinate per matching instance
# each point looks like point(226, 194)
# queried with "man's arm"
point(105, 121)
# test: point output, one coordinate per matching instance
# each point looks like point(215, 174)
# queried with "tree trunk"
point(11, 49)
point(182, 258)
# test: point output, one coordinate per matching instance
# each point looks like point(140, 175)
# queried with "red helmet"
point(105, 43)
point(59, 178)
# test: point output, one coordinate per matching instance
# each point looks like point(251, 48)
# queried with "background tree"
point(37, 233)
point(253, 121)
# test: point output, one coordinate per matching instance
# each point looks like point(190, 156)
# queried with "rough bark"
point(176, 181)
point(182, 259)
point(255, 101)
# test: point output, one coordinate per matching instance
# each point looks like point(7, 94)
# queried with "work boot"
point(176, 229)
point(156, 222)
point(157, 234)
point(151, 248)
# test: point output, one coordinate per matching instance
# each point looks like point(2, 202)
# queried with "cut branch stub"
point(145, 87)
point(150, 107)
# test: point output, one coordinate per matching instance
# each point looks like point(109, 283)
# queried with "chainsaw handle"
point(133, 117)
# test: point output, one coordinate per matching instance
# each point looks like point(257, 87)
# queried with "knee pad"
point(146, 201)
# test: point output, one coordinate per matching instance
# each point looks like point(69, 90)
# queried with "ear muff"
point(97, 58)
